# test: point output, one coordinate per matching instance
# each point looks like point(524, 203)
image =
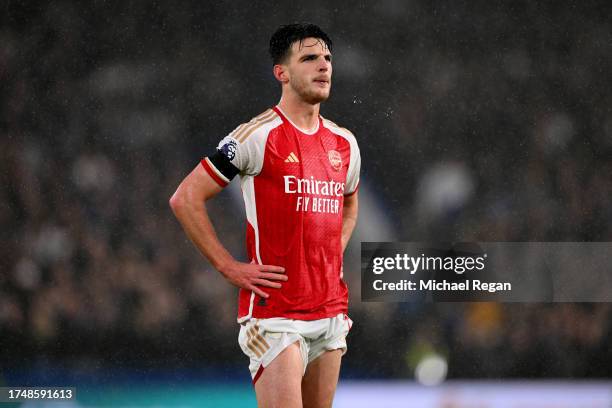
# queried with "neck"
point(303, 114)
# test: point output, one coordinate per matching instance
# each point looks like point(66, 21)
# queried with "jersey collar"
point(286, 118)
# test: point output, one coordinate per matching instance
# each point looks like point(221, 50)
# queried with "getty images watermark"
point(487, 271)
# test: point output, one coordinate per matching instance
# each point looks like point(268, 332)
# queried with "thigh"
point(279, 384)
point(320, 380)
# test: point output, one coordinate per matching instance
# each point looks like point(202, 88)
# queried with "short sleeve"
point(242, 151)
point(352, 176)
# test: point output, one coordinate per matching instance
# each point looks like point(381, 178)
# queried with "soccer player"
point(299, 175)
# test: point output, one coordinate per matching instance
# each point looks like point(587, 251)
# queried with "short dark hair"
point(286, 35)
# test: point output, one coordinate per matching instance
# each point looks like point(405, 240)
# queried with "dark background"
point(477, 121)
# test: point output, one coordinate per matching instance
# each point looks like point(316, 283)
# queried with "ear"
point(280, 73)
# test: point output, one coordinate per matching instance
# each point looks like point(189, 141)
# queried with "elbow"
point(177, 202)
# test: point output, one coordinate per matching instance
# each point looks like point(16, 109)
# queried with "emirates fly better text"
point(318, 196)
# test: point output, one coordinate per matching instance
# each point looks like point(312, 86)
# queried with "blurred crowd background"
point(476, 121)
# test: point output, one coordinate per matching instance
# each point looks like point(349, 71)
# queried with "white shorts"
point(264, 339)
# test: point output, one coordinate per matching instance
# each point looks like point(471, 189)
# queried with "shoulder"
point(339, 130)
point(257, 127)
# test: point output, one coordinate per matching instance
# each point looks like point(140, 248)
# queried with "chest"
point(321, 156)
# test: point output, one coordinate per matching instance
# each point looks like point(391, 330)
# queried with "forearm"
point(188, 204)
point(191, 212)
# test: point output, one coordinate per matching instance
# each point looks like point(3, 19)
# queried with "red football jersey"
point(294, 183)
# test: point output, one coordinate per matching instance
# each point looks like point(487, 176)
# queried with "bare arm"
point(349, 217)
point(188, 205)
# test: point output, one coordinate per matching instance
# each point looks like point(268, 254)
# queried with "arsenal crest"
point(335, 159)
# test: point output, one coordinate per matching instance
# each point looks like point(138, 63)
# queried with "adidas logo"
point(292, 158)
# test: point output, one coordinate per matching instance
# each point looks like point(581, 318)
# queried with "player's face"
point(310, 70)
